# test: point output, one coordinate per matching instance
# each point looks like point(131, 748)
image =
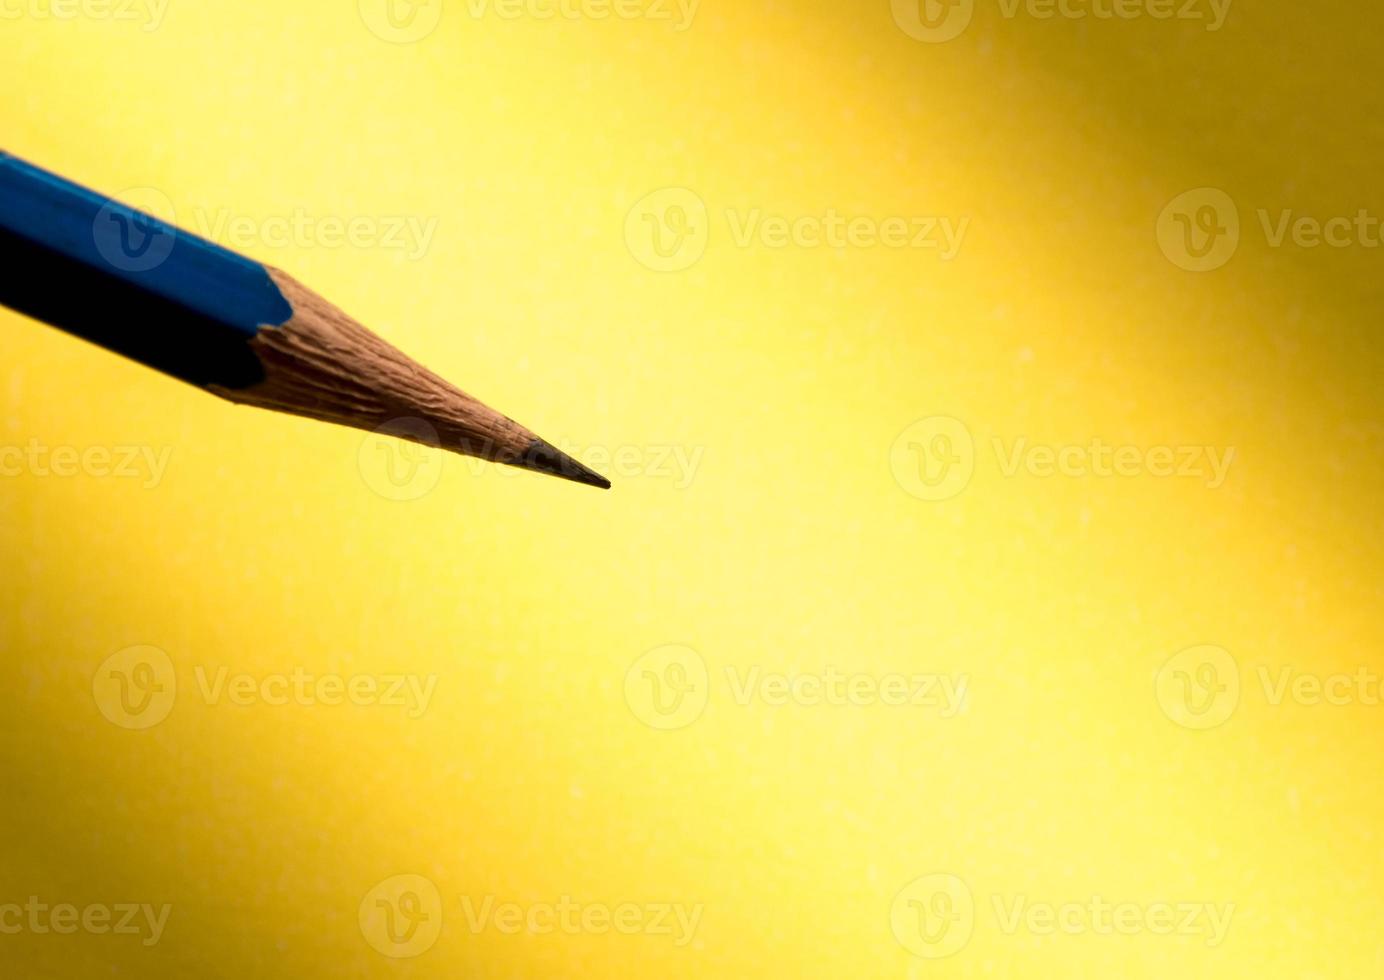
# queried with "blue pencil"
point(247, 332)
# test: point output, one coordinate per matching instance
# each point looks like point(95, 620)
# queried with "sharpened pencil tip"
point(545, 458)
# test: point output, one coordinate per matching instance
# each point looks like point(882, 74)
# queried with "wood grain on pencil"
point(324, 365)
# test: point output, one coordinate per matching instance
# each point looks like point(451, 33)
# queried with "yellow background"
point(273, 544)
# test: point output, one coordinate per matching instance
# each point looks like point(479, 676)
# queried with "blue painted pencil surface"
point(129, 281)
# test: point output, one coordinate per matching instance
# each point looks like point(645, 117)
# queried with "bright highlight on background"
point(989, 585)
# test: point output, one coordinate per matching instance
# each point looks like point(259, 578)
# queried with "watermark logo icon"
point(934, 458)
point(668, 230)
point(126, 237)
point(401, 917)
point(934, 916)
point(668, 687)
point(135, 688)
point(401, 21)
point(1199, 230)
point(400, 460)
point(933, 21)
point(1199, 688)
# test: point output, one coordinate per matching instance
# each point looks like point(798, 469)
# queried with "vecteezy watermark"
point(134, 231)
point(39, 918)
point(569, 917)
point(402, 917)
point(1200, 230)
point(401, 21)
point(945, 693)
point(935, 916)
point(401, 461)
point(137, 687)
point(144, 463)
point(148, 14)
point(411, 235)
point(1210, 464)
point(410, 21)
point(669, 687)
point(678, 13)
point(1208, 921)
point(669, 230)
point(1201, 687)
point(935, 459)
point(936, 21)
point(138, 229)
point(410, 692)
point(676, 464)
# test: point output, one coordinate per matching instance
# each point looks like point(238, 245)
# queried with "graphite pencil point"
point(543, 457)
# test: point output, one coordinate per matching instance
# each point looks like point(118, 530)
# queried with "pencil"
point(246, 332)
